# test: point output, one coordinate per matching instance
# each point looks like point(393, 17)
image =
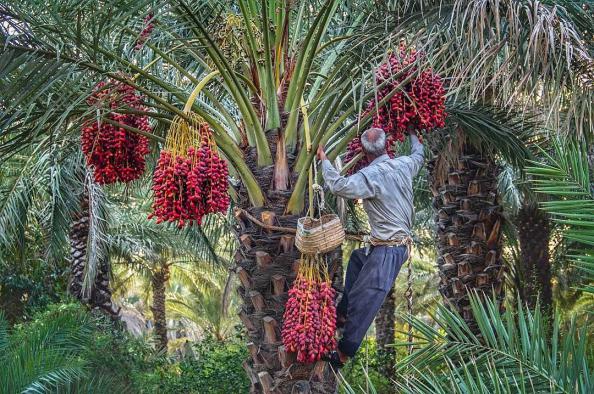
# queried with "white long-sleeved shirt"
point(386, 188)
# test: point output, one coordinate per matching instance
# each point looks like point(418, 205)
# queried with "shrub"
point(214, 367)
point(70, 350)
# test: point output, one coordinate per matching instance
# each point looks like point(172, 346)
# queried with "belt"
point(403, 240)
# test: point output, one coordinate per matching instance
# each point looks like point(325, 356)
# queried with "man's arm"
point(352, 187)
point(417, 156)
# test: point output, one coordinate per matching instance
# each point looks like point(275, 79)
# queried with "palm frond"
point(492, 130)
point(97, 239)
point(512, 351)
point(200, 295)
point(58, 201)
point(564, 176)
point(509, 189)
point(46, 355)
point(15, 199)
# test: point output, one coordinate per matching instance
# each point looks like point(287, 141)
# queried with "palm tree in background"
point(564, 175)
point(501, 75)
point(204, 297)
point(90, 270)
point(532, 270)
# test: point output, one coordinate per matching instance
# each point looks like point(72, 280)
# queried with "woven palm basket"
point(319, 235)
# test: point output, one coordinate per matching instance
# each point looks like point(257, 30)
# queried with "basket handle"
point(315, 191)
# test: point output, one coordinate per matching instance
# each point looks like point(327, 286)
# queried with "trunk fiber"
point(100, 297)
point(534, 268)
point(468, 227)
point(159, 282)
point(266, 265)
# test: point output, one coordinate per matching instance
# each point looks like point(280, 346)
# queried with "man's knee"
point(361, 312)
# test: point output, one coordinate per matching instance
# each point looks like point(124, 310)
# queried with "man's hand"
point(321, 154)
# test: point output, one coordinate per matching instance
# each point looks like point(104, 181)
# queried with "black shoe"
point(334, 360)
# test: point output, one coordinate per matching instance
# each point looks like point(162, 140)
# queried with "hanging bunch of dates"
point(417, 105)
point(309, 321)
point(191, 178)
point(115, 153)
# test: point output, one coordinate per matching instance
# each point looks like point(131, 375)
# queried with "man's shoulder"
point(393, 163)
point(378, 170)
point(400, 162)
point(374, 170)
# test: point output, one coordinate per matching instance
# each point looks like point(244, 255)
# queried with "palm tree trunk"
point(79, 233)
point(384, 334)
point(266, 265)
point(535, 267)
point(158, 283)
point(468, 223)
point(100, 296)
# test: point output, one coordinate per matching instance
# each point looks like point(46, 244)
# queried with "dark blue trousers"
point(368, 280)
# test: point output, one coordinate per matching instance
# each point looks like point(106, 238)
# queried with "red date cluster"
point(146, 32)
point(419, 105)
point(310, 319)
point(187, 188)
point(115, 153)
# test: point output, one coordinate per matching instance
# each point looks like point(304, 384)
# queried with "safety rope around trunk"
point(288, 230)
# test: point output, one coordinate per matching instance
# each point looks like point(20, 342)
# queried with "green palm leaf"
point(564, 178)
point(45, 356)
point(511, 354)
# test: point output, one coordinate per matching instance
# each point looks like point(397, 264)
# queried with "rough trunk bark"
point(468, 221)
point(159, 282)
point(534, 266)
point(384, 334)
point(266, 265)
point(100, 296)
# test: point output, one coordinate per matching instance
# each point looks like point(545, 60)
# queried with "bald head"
point(374, 142)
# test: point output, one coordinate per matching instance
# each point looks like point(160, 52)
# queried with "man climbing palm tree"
point(386, 188)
